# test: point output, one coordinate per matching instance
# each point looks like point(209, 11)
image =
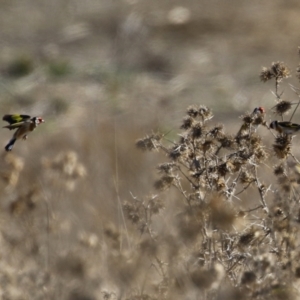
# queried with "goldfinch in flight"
point(285, 127)
point(24, 125)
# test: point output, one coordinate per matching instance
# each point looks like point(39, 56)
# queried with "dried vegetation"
point(206, 206)
point(236, 232)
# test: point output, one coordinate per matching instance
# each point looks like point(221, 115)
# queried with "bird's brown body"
point(24, 130)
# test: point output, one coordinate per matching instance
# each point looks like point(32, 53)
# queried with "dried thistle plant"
point(239, 203)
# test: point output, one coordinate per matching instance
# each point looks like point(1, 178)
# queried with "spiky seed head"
point(192, 111)
point(279, 170)
point(187, 122)
point(266, 75)
point(279, 70)
point(282, 107)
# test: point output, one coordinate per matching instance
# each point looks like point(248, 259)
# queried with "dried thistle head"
point(248, 119)
point(279, 170)
point(236, 165)
point(282, 146)
point(260, 154)
point(227, 142)
point(243, 133)
point(167, 168)
point(242, 138)
point(164, 182)
point(194, 198)
point(177, 151)
point(244, 155)
point(277, 211)
point(155, 205)
point(265, 74)
point(207, 146)
point(255, 119)
point(282, 107)
point(278, 70)
point(187, 122)
point(149, 142)
point(222, 169)
point(192, 111)
point(280, 220)
point(259, 120)
point(197, 130)
point(246, 177)
point(254, 140)
point(205, 112)
point(198, 173)
point(217, 132)
point(132, 212)
point(220, 184)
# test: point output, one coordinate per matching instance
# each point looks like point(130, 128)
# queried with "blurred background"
point(103, 74)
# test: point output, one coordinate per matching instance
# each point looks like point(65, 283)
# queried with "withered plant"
point(235, 232)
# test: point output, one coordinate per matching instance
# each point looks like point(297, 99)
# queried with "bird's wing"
point(289, 124)
point(15, 119)
point(295, 125)
point(14, 126)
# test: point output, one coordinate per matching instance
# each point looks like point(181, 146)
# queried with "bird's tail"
point(10, 145)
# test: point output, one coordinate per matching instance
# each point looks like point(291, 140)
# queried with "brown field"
point(86, 214)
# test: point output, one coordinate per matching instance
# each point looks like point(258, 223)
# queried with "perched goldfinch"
point(285, 127)
point(251, 121)
point(24, 125)
point(258, 111)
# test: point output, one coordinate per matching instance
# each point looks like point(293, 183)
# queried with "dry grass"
point(210, 212)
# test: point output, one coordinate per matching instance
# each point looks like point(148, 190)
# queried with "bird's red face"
point(39, 120)
point(258, 111)
point(261, 109)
